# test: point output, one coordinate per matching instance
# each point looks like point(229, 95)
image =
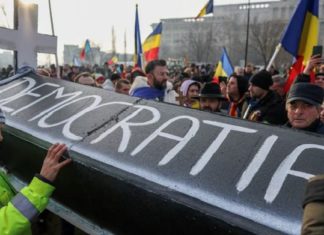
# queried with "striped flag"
point(208, 8)
point(300, 36)
point(224, 67)
point(152, 43)
point(86, 50)
point(113, 60)
point(138, 43)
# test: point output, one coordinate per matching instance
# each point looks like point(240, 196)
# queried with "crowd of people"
point(6, 72)
point(249, 93)
point(253, 94)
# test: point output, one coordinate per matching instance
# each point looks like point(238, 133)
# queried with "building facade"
point(201, 40)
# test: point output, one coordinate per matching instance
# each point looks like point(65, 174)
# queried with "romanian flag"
point(224, 67)
point(301, 36)
point(208, 8)
point(113, 60)
point(86, 50)
point(152, 43)
point(138, 43)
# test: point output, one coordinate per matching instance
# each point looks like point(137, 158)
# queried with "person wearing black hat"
point(304, 107)
point(211, 98)
point(236, 90)
point(265, 106)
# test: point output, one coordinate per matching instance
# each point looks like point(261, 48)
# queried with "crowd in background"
point(249, 93)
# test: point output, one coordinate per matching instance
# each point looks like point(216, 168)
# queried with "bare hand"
point(312, 63)
point(51, 165)
point(223, 87)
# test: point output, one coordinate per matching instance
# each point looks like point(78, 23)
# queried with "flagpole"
point(247, 34)
point(53, 33)
point(125, 50)
point(275, 54)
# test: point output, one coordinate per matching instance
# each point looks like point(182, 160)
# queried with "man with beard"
point(211, 98)
point(265, 106)
point(155, 85)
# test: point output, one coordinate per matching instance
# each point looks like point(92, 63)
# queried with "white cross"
point(26, 40)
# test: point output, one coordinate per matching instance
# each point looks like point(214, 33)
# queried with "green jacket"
point(17, 211)
point(313, 218)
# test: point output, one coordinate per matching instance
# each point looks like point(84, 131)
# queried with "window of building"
point(283, 12)
point(6, 63)
point(45, 60)
point(7, 14)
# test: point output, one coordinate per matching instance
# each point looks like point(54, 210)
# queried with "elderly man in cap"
point(265, 106)
point(304, 107)
point(211, 98)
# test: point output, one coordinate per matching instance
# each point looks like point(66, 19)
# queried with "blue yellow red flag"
point(208, 8)
point(85, 50)
point(151, 45)
point(301, 35)
point(138, 42)
point(224, 67)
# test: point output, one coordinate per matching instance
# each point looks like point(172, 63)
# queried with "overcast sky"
point(77, 20)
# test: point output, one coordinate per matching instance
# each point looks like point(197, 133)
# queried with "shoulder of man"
point(320, 128)
point(147, 93)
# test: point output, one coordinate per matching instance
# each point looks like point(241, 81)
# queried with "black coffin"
point(142, 167)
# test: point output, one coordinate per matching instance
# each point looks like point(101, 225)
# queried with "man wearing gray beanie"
point(265, 105)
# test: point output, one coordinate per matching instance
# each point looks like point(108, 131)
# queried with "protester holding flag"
point(314, 62)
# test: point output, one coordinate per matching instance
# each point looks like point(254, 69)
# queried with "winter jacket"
point(141, 89)
point(316, 127)
point(313, 218)
point(270, 109)
point(17, 211)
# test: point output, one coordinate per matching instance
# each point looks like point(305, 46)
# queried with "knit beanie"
point(262, 79)
point(242, 85)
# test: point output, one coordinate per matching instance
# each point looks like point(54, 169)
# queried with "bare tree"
point(199, 43)
point(265, 37)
